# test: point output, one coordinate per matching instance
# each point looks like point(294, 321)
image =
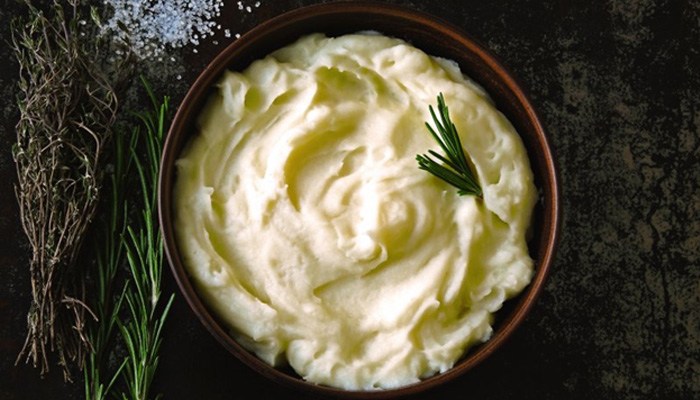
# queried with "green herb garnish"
point(128, 306)
point(459, 174)
point(142, 328)
point(107, 297)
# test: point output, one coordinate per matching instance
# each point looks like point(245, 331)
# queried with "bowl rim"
point(222, 61)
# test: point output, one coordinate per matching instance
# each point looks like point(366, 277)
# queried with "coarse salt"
point(156, 25)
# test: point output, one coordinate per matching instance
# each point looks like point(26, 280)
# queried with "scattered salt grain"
point(157, 25)
point(154, 25)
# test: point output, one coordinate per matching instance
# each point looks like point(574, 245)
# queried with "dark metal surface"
point(615, 84)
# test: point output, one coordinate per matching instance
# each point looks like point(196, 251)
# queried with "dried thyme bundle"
point(68, 105)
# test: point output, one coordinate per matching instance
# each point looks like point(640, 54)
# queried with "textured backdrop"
point(616, 85)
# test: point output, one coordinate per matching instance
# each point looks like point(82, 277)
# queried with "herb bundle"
point(67, 108)
point(109, 257)
point(141, 333)
point(130, 235)
point(459, 174)
point(83, 310)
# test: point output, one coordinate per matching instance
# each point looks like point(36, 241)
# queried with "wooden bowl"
point(434, 36)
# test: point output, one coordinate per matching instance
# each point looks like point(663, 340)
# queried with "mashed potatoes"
point(307, 226)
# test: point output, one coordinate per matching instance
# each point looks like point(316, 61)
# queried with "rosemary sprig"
point(130, 320)
point(109, 257)
point(141, 332)
point(459, 174)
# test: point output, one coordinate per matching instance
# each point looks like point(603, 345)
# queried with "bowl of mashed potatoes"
point(302, 232)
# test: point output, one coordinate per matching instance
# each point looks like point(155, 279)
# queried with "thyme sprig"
point(459, 174)
point(67, 105)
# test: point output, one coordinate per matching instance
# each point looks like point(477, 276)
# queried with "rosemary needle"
point(142, 329)
point(454, 168)
point(131, 319)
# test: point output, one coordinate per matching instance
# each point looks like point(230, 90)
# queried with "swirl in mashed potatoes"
point(307, 226)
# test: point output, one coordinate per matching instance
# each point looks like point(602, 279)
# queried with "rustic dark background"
point(616, 85)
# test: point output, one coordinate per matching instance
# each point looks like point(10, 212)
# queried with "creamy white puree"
point(307, 226)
